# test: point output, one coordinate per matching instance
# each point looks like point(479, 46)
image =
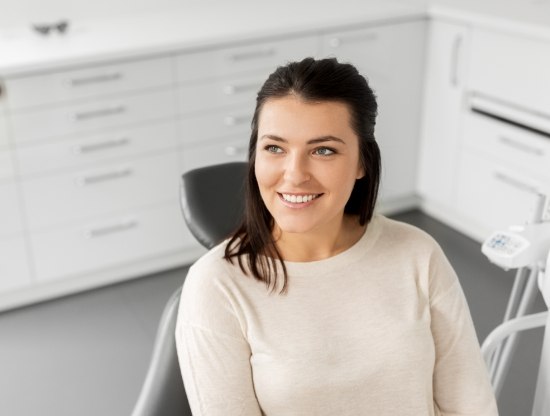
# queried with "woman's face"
point(307, 161)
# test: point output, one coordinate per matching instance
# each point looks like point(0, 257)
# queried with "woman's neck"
point(321, 244)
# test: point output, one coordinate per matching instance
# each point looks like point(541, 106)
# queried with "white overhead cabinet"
point(391, 56)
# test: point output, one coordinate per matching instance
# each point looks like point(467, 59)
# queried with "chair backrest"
point(212, 202)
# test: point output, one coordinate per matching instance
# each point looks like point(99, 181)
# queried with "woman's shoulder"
point(208, 271)
point(401, 233)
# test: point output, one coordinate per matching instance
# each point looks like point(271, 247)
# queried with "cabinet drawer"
point(367, 48)
point(213, 125)
point(514, 146)
point(512, 68)
point(130, 237)
point(10, 217)
point(240, 59)
point(229, 149)
point(14, 264)
point(494, 195)
point(90, 82)
point(59, 199)
point(96, 115)
point(227, 92)
point(6, 165)
point(81, 151)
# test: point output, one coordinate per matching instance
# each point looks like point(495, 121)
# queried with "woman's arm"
point(213, 352)
point(460, 381)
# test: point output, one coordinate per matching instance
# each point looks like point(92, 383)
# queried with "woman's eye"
point(324, 151)
point(271, 148)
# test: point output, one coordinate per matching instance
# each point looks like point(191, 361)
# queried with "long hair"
point(314, 81)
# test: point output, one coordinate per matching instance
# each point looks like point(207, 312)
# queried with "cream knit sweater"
point(382, 328)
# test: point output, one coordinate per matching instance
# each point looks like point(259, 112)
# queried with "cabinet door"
point(444, 87)
point(391, 57)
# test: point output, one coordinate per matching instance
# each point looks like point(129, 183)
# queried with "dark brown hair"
point(314, 81)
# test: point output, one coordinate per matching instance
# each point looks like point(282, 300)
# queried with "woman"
point(316, 305)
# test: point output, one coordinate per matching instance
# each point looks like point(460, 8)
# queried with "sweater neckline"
point(340, 260)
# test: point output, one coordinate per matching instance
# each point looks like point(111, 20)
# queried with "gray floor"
point(87, 354)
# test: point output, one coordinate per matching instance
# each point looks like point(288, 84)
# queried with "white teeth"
point(300, 199)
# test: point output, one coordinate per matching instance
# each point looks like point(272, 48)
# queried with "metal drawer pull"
point(111, 229)
point(103, 112)
point(102, 177)
point(236, 89)
point(235, 120)
point(340, 41)
point(516, 183)
point(77, 82)
point(261, 53)
point(521, 146)
point(457, 43)
point(108, 144)
point(235, 150)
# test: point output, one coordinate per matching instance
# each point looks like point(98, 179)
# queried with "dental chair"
point(212, 202)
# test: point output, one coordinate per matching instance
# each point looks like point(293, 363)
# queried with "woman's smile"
point(298, 200)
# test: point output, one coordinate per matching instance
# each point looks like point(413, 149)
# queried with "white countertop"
point(213, 22)
point(196, 26)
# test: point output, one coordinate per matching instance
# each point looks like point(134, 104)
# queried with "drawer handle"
point(95, 79)
point(336, 42)
point(102, 112)
point(235, 150)
point(455, 53)
point(236, 89)
point(235, 120)
point(516, 183)
point(521, 146)
point(257, 54)
point(102, 177)
point(111, 229)
point(108, 144)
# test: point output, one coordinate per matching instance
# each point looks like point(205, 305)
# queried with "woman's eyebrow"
point(315, 140)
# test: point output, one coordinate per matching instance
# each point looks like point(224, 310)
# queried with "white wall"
point(27, 12)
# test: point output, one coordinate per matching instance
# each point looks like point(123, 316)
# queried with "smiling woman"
point(316, 305)
point(307, 162)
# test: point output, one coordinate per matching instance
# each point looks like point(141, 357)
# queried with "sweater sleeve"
point(461, 384)
point(213, 353)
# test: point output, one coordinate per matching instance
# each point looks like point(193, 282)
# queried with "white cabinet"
point(91, 157)
point(94, 187)
point(507, 126)
point(391, 57)
point(485, 152)
point(444, 89)
point(217, 95)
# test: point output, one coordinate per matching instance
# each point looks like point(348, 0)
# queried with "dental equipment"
point(527, 249)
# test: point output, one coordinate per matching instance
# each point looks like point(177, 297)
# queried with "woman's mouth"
point(298, 199)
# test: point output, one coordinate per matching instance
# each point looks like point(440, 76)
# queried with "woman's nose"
point(296, 170)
